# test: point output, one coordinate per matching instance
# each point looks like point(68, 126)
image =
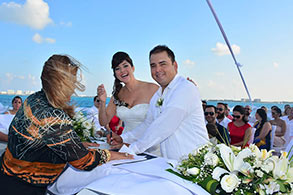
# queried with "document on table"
point(125, 149)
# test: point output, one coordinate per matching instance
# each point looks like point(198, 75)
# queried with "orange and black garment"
point(41, 141)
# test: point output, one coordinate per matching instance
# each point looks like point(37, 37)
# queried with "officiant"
point(175, 117)
point(41, 138)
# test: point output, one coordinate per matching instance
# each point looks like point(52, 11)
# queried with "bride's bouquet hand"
point(102, 93)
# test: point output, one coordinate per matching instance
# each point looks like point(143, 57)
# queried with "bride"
point(130, 101)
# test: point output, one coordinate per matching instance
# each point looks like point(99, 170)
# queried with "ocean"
point(87, 102)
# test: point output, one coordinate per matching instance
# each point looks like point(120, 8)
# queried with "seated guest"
point(93, 112)
point(262, 136)
point(221, 118)
point(214, 128)
point(266, 110)
point(279, 140)
point(269, 112)
point(16, 103)
point(286, 110)
point(41, 136)
point(227, 112)
point(248, 110)
point(240, 130)
point(204, 104)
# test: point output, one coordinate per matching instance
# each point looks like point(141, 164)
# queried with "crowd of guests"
point(267, 130)
point(235, 129)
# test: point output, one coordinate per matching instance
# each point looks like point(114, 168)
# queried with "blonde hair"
point(60, 77)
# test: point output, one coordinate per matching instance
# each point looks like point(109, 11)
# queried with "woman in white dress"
point(130, 100)
point(279, 140)
point(16, 103)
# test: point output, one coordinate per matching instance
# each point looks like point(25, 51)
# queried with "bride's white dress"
point(132, 117)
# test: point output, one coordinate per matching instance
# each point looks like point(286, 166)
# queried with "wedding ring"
point(126, 154)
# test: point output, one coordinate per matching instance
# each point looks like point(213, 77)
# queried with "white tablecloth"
point(5, 120)
point(143, 178)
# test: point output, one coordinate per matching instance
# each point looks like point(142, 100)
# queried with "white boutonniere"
point(160, 102)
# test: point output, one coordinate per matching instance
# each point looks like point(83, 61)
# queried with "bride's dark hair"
point(117, 59)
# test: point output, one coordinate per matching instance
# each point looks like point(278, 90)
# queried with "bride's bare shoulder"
point(149, 86)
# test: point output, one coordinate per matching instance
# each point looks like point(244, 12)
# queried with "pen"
point(111, 137)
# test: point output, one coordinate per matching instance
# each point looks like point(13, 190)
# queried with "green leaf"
point(210, 185)
point(179, 175)
point(282, 186)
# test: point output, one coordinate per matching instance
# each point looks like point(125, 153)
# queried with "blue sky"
point(92, 31)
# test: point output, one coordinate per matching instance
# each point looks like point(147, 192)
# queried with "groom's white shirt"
point(178, 125)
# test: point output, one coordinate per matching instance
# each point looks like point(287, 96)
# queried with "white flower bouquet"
point(83, 127)
point(221, 169)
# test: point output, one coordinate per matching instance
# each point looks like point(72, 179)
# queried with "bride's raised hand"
point(102, 93)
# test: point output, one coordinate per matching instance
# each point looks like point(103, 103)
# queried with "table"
point(143, 178)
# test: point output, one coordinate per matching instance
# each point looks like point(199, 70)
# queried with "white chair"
point(5, 120)
point(288, 132)
point(273, 132)
point(3, 108)
point(250, 141)
point(289, 149)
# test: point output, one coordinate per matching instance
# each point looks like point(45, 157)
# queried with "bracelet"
point(108, 155)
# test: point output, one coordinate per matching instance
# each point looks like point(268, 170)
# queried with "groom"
point(175, 117)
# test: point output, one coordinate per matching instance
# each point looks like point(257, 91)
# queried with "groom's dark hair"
point(161, 48)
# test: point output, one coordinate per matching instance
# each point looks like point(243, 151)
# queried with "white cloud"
point(222, 49)
point(219, 74)
point(50, 40)
point(39, 39)
point(11, 78)
point(188, 63)
point(217, 86)
point(67, 24)
point(33, 13)
point(276, 65)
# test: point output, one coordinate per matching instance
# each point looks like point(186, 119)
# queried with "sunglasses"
point(236, 116)
point(209, 113)
point(273, 113)
point(220, 109)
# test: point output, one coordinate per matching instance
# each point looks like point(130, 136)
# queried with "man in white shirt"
point(175, 117)
point(221, 118)
point(93, 113)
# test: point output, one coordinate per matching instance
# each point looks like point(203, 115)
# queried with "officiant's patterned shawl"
point(41, 141)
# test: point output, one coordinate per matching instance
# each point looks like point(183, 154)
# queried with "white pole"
point(231, 51)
